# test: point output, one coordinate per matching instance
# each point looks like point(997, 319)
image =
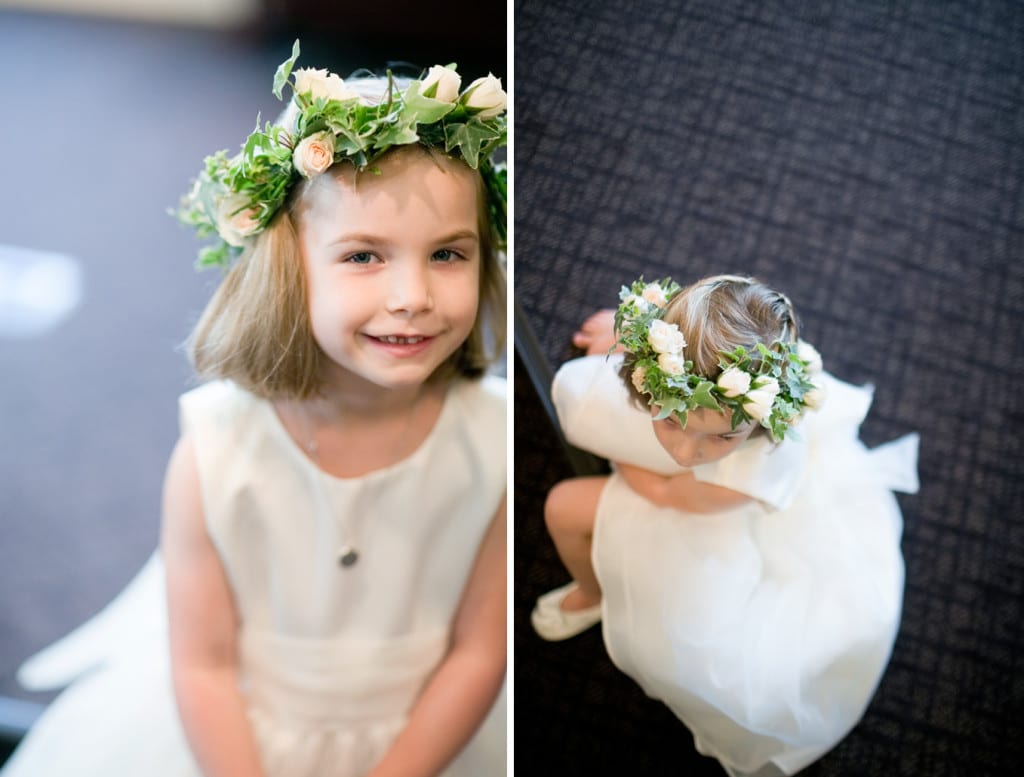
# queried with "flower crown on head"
point(772, 386)
point(328, 121)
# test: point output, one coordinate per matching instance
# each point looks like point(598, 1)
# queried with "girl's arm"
point(465, 684)
point(203, 626)
point(683, 492)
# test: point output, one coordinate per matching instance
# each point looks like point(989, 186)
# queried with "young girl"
point(334, 513)
point(743, 557)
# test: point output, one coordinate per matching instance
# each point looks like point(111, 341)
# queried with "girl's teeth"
point(400, 340)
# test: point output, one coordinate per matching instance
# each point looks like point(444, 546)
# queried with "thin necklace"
point(348, 552)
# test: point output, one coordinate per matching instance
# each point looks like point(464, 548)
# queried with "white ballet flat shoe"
point(553, 623)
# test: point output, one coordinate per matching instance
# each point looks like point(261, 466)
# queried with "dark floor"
point(103, 125)
point(868, 159)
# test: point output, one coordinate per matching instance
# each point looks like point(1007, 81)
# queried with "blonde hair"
point(719, 313)
point(256, 329)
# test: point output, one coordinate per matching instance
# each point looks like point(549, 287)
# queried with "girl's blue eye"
point(363, 257)
point(445, 255)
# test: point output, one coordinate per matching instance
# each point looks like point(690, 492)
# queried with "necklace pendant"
point(347, 556)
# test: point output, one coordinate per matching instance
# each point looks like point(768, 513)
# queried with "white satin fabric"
point(332, 659)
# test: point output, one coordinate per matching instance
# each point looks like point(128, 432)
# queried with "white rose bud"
point(816, 397)
point(236, 221)
point(672, 363)
point(759, 403)
point(638, 302)
point(486, 97)
point(320, 83)
point(734, 382)
point(638, 377)
point(665, 338)
point(769, 385)
point(810, 355)
point(654, 294)
point(314, 154)
point(447, 80)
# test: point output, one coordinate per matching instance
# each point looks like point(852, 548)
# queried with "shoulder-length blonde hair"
point(256, 329)
point(720, 313)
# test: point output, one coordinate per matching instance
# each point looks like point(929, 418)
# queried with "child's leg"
point(569, 512)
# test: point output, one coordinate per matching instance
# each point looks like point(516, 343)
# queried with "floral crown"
point(772, 386)
point(328, 121)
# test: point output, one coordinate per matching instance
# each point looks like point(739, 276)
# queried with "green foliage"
point(644, 303)
point(284, 70)
point(256, 181)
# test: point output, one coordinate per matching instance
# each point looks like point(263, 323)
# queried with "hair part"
point(720, 313)
point(256, 329)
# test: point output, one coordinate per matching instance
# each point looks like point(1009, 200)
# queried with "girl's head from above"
point(363, 233)
point(715, 361)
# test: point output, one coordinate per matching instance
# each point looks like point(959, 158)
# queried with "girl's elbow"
point(486, 656)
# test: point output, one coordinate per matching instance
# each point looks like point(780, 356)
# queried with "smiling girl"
point(334, 512)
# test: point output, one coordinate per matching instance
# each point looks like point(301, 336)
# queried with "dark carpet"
point(867, 159)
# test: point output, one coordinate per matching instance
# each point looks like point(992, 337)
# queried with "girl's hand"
point(681, 492)
point(651, 486)
point(597, 333)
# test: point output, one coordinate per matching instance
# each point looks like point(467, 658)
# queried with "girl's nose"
point(686, 450)
point(410, 289)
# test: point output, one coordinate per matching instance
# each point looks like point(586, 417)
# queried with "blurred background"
point(866, 158)
point(110, 107)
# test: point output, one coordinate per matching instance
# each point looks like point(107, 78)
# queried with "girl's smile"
point(402, 346)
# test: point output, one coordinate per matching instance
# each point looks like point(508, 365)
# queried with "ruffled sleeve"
point(597, 415)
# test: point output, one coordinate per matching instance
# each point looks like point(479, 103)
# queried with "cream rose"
point(235, 220)
point(769, 385)
point(810, 355)
point(734, 382)
point(816, 397)
point(654, 294)
point(638, 377)
point(486, 97)
point(321, 83)
point(665, 337)
point(314, 154)
point(672, 363)
point(759, 403)
point(447, 80)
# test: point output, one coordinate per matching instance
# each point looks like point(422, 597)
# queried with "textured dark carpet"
point(868, 159)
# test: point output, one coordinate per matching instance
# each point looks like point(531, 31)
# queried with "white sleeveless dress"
point(332, 658)
point(765, 629)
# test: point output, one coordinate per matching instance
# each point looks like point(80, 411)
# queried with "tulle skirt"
point(766, 633)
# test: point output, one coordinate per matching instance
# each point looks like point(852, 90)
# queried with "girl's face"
point(393, 267)
point(708, 436)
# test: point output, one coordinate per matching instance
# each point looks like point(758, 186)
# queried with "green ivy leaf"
point(421, 109)
point(469, 138)
point(218, 255)
point(284, 70)
point(704, 398)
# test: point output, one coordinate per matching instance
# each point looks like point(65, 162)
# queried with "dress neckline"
point(295, 451)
